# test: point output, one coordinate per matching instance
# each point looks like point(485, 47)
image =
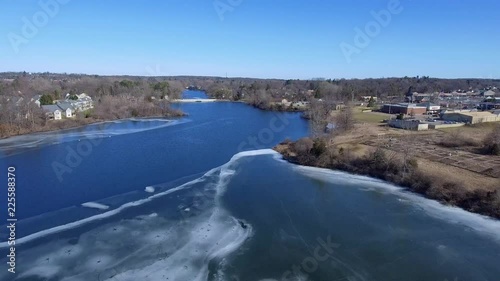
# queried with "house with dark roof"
point(67, 108)
point(52, 111)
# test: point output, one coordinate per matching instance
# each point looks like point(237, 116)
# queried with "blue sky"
point(252, 38)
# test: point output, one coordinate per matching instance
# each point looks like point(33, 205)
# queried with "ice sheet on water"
point(18, 144)
point(144, 247)
point(479, 223)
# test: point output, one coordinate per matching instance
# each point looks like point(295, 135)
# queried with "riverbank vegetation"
point(268, 94)
point(113, 98)
point(411, 160)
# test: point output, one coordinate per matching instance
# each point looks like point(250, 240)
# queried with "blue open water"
point(204, 198)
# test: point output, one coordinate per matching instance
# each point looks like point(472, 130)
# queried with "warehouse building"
point(405, 108)
point(471, 117)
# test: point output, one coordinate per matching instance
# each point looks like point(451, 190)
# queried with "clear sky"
point(252, 38)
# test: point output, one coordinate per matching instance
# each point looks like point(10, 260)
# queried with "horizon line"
point(241, 77)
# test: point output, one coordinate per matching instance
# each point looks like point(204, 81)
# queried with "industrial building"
point(405, 108)
point(471, 117)
point(414, 125)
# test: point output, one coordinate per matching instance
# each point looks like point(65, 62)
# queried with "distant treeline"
point(262, 93)
point(248, 89)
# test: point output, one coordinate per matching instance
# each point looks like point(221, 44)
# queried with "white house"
point(36, 100)
point(57, 114)
point(52, 111)
point(69, 112)
point(67, 109)
point(84, 102)
point(285, 102)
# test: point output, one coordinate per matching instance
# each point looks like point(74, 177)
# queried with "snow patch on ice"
point(95, 205)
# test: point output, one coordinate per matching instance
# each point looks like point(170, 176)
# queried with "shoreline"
point(67, 124)
point(271, 107)
point(477, 201)
point(71, 124)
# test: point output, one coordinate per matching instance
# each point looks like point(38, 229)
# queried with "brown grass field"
point(461, 164)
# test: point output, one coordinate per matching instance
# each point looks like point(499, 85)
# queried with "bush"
point(319, 147)
point(457, 139)
point(494, 149)
point(134, 112)
point(457, 142)
point(413, 163)
point(450, 192)
point(303, 145)
point(491, 144)
point(417, 181)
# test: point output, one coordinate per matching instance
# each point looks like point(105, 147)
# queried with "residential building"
point(67, 109)
point(421, 97)
point(285, 102)
point(490, 103)
point(18, 101)
point(36, 100)
point(338, 106)
point(368, 98)
point(82, 103)
point(52, 111)
point(300, 104)
point(329, 127)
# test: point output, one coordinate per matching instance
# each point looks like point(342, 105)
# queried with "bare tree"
point(318, 114)
point(344, 120)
